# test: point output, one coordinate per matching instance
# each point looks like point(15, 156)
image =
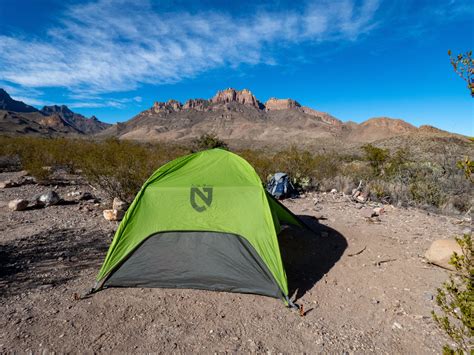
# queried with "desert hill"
point(239, 117)
point(18, 118)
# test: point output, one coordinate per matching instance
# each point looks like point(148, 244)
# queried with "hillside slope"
point(239, 118)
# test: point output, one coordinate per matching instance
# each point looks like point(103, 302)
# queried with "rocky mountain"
point(8, 104)
point(16, 117)
point(85, 125)
point(238, 117)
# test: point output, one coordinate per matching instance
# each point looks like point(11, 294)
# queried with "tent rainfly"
point(202, 221)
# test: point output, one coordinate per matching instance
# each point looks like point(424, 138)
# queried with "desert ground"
point(363, 283)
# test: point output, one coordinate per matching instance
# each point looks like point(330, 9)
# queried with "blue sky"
point(353, 59)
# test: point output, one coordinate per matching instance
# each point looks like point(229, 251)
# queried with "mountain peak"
point(63, 109)
point(9, 104)
point(229, 95)
point(3, 93)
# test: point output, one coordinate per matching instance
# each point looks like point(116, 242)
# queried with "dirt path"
point(379, 299)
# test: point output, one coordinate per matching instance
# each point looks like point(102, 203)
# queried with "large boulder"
point(440, 252)
point(18, 204)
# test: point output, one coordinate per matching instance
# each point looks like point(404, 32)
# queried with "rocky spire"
point(231, 95)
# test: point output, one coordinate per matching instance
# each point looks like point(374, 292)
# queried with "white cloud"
point(99, 102)
point(110, 46)
point(30, 100)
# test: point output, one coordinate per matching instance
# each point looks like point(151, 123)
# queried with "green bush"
point(209, 141)
point(456, 300)
point(376, 157)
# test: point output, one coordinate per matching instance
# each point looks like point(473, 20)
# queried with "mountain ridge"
point(233, 115)
point(16, 117)
point(237, 115)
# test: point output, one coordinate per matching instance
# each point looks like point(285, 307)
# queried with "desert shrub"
point(326, 166)
point(121, 167)
point(357, 170)
point(307, 170)
point(426, 192)
point(343, 184)
point(456, 300)
point(397, 165)
point(467, 166)
point(209, 141)
point(36, 155)
point(118, 167)
point(261, 161)
point(376, 157)
point(295, 161)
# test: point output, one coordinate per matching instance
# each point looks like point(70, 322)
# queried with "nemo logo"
point(200, 198)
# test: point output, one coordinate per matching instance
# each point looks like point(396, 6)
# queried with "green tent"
point(201, 221)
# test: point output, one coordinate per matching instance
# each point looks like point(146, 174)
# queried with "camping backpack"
point(281, 187)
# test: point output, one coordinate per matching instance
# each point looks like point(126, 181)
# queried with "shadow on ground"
point(49, 259)
point(309, 255)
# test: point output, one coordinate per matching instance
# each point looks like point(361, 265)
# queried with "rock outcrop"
point(196, 104)
point(167, 107)
point(280, 104)
point(244, 97)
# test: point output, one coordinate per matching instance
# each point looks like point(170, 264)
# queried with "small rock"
point(25, 180)
point(361, 198)
point(440, 252)
point(429, 296)
point(367, 213)
point(119, 205)
point(333, 191)
point(87, 196)
point(379, 210)
point(18, 204)
point(113, 215)
point(6, 184)
point(396, 325)
point(47, 199)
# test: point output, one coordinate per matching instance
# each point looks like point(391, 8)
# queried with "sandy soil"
point(364, 286)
